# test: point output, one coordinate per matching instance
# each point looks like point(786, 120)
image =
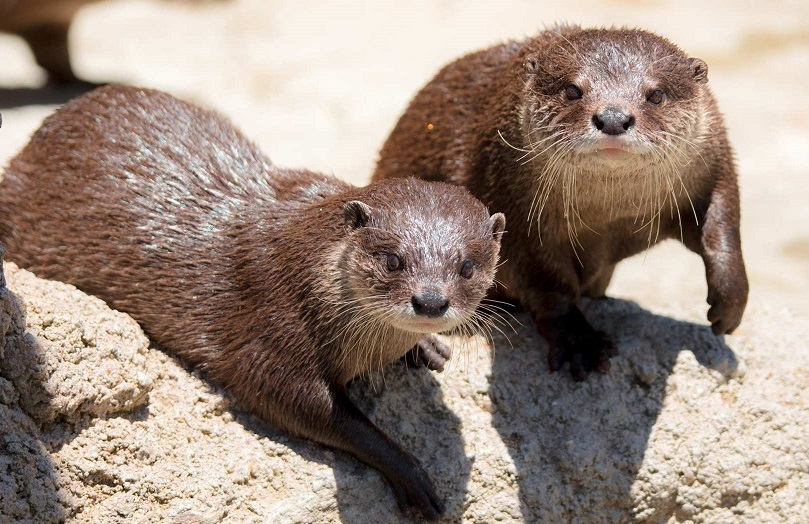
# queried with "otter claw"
point(415, 494)
point(724, 319)
point(429, 352)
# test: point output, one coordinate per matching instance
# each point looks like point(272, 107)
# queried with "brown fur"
point(499, 122)
point(272, 281)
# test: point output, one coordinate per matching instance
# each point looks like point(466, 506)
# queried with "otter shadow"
point(48, 94)
point(29, 483)
point(578, 447)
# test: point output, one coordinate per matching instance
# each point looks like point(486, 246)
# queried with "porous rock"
point(77, 357)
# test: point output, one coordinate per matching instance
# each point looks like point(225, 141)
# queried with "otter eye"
point(572, 92)
point(656, 97)
point(467, 269)
point(393, 262)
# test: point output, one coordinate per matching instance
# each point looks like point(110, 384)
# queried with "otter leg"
point(50, 47)
point(351, 431)
point(572, 339)
point(597, 287)
point(718, 241)
point(331, 418)
point(429, 352)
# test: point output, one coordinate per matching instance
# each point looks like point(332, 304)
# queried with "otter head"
point(421, 255)
point(614, 100)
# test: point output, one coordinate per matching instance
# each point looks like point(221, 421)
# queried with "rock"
point(77, 356)
point(29, 487)
point(685, 427)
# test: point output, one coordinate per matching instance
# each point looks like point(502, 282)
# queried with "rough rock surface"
point(685, 427)
point(72, 338)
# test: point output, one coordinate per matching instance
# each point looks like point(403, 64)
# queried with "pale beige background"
point(320, 84)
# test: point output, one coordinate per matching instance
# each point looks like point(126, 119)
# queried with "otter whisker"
point(497, 284)
point(488, 326)
point(682, 183)
point(688, 142)
point(497, 316)
point(550, 176)
point(515, 148)
point(495, 301)
point(672, 192)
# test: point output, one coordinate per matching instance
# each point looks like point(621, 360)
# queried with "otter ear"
point(357, 214)
point(498, 223)
point(699, 69)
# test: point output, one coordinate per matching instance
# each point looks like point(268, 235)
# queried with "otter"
point(596, 144)
point(280, 285)
point(44, 25)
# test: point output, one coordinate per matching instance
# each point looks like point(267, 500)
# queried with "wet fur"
point(497, 122)
point(272, 281)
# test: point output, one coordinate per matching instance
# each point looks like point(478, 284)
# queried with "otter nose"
point(430, 304)
point(613, 121)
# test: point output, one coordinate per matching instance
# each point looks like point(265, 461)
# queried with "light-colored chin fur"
point(573, 184)
point(388, 334)
point(588, 190)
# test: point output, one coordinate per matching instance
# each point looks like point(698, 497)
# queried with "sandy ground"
point(320, 84)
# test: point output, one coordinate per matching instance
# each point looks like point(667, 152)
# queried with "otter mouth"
point(426, 326)
point(613, 149)
point(613, 153)
point(419, 324)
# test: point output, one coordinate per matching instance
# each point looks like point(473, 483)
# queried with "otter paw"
point(586, 352)
point(415, 493)
point(727, 295)
point(429, 352)
point(725, 313)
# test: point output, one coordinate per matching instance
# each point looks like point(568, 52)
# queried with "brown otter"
point(596, 143)
point(281, 285)
point(44, 25)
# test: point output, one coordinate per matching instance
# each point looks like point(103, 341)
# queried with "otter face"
point(617, 100)
point(422, 260)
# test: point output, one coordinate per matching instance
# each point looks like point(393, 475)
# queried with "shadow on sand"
point(363, 496)
point(583, 443)
point(578, 445)
point(49, 94)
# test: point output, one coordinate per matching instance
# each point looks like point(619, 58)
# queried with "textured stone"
point(77, 357)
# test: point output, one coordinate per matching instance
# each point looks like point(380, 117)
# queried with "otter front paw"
point(586, 351)
point(727, 308)
point(429, 352)
point(415, 493)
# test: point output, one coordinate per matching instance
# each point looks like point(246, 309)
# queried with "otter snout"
point(613, 121)
point(430, 304)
